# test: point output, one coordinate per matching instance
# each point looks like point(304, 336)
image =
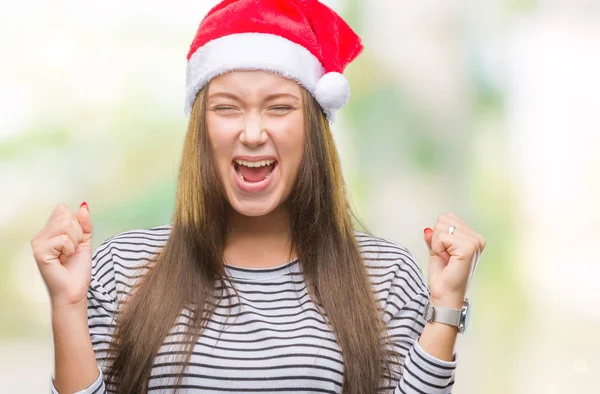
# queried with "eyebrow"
point(223, 94)
point(237, 98)
point(279, 95)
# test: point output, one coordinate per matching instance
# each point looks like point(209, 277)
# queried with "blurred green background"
point(486, 109)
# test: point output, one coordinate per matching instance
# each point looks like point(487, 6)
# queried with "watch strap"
point(442, 314)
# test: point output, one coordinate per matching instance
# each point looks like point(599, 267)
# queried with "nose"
point(253, 133)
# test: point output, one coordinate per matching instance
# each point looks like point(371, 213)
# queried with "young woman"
point(261, 283)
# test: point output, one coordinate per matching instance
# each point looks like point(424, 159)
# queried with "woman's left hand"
point(451, 255)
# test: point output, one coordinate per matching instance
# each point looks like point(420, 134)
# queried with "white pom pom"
point(332, 91)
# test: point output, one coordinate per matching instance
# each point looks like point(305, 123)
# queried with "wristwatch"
point(453, 317)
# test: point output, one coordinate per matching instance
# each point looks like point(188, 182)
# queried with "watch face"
point(465, 316)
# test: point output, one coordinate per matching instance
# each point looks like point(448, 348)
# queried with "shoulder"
point(390, 263)
point(134, 243)
point(121, 259)
point(382, 253)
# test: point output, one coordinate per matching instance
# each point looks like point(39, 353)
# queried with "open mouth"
point(254, 171)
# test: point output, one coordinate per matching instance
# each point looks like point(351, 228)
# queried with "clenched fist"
point(63, 252)
point(454, 250)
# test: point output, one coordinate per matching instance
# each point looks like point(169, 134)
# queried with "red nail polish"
point(427, 229)
point(86, 205)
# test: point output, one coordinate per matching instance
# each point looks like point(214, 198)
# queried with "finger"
point(77, 233)
point(438, 248)
point(456, 219)
point(451, 219)
point(427, 235)
point(460, 231)
point(63, 245)
point(443, 226)
point(58, 211)
point(69, 249)
point(461, 246)
point(52, 249)
point(448, 218)
point(65, 224)
point(84, 219)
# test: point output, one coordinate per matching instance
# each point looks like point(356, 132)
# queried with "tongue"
point(255, 174)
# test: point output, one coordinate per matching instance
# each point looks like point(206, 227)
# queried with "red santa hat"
point(303, 40)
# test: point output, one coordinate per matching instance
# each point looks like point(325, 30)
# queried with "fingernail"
point(86, 206)
point(427, 230)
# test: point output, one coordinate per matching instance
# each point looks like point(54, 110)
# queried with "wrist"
point(63, 311)
point(453, 301)
point(449, 314)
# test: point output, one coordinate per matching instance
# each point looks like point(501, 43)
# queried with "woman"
point(293, 298)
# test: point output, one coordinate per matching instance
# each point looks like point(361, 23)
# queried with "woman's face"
point(255, 122)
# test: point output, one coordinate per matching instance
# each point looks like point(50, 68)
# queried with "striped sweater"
point(277, 341)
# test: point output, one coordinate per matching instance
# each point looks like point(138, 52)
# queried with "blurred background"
point(487, 109)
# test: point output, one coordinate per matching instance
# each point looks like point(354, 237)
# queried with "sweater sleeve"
point(420, 372)
point(101, 309)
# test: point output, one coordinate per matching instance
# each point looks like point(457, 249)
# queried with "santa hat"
point(302, 40)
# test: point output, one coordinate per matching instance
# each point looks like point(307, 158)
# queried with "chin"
point(253, 209)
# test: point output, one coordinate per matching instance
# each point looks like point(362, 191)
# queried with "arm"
point(438, 339)
point(63, 253)
point(74, 359)
point(423, 370)
point(453, 248)
point(82, 336)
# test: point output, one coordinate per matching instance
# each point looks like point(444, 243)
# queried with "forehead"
point(253, 84)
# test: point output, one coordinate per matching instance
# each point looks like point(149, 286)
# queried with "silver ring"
point(452, 229)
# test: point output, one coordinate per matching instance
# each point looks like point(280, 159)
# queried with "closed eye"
point(281, 108)
point(223, 108)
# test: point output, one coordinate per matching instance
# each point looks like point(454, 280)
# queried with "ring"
point(452, 229)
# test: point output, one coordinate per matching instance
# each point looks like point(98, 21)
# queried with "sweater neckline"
point(290, 267)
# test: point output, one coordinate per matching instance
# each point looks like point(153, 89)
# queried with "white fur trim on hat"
point(250, 51)
point(269, 52)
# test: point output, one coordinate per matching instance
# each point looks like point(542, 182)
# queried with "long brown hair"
point(188, 270)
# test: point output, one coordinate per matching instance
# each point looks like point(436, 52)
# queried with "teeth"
point(242, 177)
point(254, 163)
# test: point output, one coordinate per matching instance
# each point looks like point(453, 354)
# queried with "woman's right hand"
point(63, 252)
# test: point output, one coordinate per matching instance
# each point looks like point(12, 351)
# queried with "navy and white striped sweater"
point(277, 341)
